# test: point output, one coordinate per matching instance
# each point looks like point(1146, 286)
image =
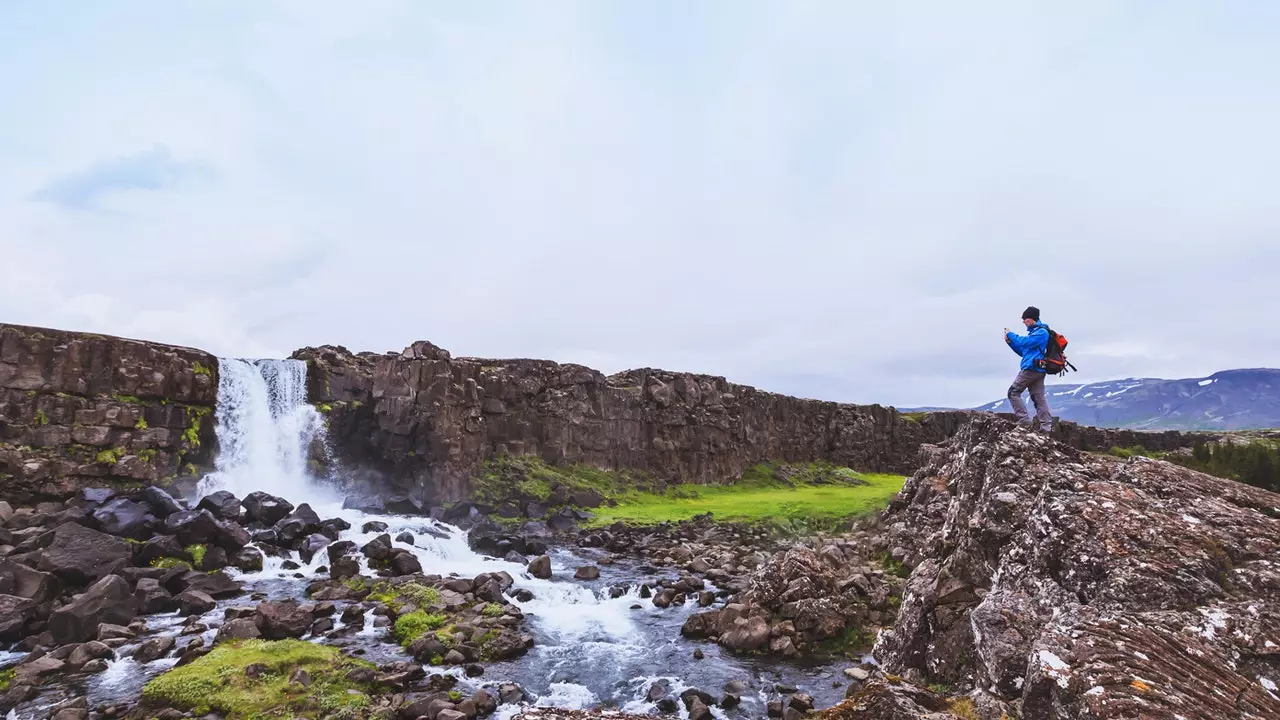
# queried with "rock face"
point(79, 410)
point(1058, 584)
point(427, 421)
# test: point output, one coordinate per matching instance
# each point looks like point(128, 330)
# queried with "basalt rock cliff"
point(1058, 584)
point(426, 421)
point(79, 410)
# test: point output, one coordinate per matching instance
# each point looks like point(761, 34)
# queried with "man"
point(1031, 375)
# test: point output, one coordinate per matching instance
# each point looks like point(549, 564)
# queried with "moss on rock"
point(218, 682)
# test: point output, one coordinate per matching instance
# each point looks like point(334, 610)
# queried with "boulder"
point(311, 545)
point(378, 549)
point(215, 585)
point(281, 620)
point(192, 527)
point(92, 650)
point(248, 559)
point(160, 546)
point(15, 612)
point(194, 602)
point(297, 525)
point(239, 629)
point(79, 555)
point(222, 504)
point(109, 600)
point(404, 562)
point(19, 580)
point(541, 567)
point(231, 537)
point(589, 572)
point(153, 649)
point(266, 509)
point(123, 517)
point(152, 598)
point(162, 504)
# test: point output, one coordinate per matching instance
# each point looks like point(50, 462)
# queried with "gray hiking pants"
point(1033, 381)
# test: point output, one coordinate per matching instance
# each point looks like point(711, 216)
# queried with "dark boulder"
point(231, 537)
point(214, 558)
point(248, 559)
point(109, 600)
point(123, 517)
point(194, 602)
point(378, 549)
point(223, 505)
point(160, 546)
point(374, 526)
point(153, 649)
point(152, 598)
point(192, 527)
point(281, 620)
point(266, 509)
point(15, 612)
point(161, 502)
point(313, 544)
point(215, 585)
point(97, 496)
point(404, 562)
point(22, 581)
point(297, 525)
point(239, 629)
point(588, 572)
point(541, 567)
point(79, 555)
point(405, 537)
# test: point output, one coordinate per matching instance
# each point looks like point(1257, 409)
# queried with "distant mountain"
point(1227, 400)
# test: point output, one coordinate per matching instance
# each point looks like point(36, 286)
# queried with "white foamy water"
point(265, 430)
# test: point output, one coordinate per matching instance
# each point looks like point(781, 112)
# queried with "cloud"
point(149, 170)
point(842, 200)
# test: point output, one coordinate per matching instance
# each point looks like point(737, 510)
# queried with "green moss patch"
point(410, 593)
point(217, 682)
point(779, 494)
point(110, 457)
point(411, 626)
point(200, 369)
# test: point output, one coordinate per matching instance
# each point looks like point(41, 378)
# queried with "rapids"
point(590, 650)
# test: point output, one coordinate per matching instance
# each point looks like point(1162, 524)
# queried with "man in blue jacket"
point(1031, 375)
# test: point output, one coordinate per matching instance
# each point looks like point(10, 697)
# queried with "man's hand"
point(1005, 336)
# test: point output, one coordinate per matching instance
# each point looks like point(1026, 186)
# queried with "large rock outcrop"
point(427, 421)
point(79, 410)
point(1058, 584)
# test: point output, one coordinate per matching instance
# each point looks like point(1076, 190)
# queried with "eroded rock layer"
point(1059, 584)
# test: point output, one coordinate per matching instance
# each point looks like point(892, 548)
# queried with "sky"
point(839, 200)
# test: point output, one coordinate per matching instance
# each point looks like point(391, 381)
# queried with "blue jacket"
point(1030, 346)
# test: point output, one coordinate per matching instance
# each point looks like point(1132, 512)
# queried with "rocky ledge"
point(80, 410)
point(1050, 583)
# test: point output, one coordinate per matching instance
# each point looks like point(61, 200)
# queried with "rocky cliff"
point(1057, 584)
point(426, 421)
point(78, 409)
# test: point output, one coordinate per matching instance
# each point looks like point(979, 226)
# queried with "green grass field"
point(758, 501)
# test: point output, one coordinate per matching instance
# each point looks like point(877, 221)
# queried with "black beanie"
point(1032, 312)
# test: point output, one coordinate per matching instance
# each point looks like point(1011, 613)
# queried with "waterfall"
point(265, 429)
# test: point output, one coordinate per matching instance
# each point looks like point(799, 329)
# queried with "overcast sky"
point(833, 199)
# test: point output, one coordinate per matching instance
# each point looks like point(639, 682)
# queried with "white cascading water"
point(265, 430)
